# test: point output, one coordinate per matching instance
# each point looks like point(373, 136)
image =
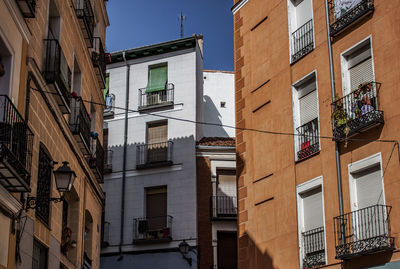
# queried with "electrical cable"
point(227, 126)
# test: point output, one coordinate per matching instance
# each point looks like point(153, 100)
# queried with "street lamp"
point(64, 178)
point(184, 249)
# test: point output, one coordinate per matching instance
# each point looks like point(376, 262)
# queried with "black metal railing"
point(99, 61)
point(110, 106)
point(84, 12)
point(344, 13)
point(87, 262)
point(152, 229)
point(96, 160)
point(158, 98)
point(27, 7)
point(79, 123)
point(223, 206)
point(56, 72)
point(357, 111)
point(154, 154)
point(363, 231)
point(308, 139)
point(302, 41)
point(313, 243)
point(16, 142)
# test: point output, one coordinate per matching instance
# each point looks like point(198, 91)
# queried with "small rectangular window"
point(156, 208)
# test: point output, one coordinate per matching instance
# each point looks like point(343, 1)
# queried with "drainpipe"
point(337, 153)
point(121, 240)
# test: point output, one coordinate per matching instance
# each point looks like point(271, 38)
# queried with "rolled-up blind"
point(308, 107)
point(312, 209)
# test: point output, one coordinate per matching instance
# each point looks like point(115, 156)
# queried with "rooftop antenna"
point(181, 19)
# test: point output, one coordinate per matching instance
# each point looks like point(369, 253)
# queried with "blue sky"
point(137, 23)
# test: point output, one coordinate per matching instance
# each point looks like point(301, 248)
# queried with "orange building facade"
point(322, 189)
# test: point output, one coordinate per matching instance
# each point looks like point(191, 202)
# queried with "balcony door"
point(157, 142)
point(226, 192)
point(368, 219)
point(227, 250)
point(156, 209)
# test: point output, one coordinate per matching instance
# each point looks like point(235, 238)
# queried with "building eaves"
point(156, 49)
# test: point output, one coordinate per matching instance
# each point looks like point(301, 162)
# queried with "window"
point(227, 250)
point(225, 202)
point(357, 67)
point(5, 68)
point(223, 104)
point(39, 257)
point(54, 27)
point(311, 223)
point(157, 141)
point(43, 190)
point(300, 28)
point(156, 208)
point(306, 117)
point(158, 77)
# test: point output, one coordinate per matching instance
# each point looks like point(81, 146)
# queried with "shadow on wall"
point(250, 256)
point(211, 114)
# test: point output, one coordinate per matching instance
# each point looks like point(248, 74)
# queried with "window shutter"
point(369, 187)
point(362, 72)
point(308, 107)
point(156, 208)
point(157, 79)
point(157, 133)
point(226, 185)
point(312, 209)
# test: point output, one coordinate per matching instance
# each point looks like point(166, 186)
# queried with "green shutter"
point(157, 79)
point(107, 86)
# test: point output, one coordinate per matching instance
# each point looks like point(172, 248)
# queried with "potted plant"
point(339, 114)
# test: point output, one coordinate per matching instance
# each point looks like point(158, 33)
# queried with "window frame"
point(346, 83)
point(300, 189)
point(41, 248)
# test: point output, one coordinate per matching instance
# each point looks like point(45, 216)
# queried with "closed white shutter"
point(308, 107)
point(362, 72)
point(369, 187)
point(312, 209)
point(226, 185)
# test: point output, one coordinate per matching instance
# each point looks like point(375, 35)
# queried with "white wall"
point(219, 87)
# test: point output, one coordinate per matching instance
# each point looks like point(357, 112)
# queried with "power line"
point(224, 125)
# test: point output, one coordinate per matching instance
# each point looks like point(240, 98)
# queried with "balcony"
point(313, 243)
point(302, 41)
point(364, 231)
point(16, 141)
point(27, 7)
point(308, 140)
point(79, 124)
point(110, 104)
point(154, 155)
point(357, 112)
point(84, 12)
point(57, 74)
point(99, 61)
point(96, 160)
point(152, 230)
point(158, 99)
point(344, 13)
point(224, 207)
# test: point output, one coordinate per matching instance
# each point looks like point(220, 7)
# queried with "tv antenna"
point(181, 19)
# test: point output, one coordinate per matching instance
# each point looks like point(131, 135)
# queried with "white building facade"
point(151, 208)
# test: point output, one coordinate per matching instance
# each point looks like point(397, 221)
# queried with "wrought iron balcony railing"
point(79, 123)
point(148, 100)
point(308, 139)
point(363, 231)
point(99, 61)
point(223, 206)
point(302, 41)
point(155, 229)
point(109, 109)
point(57, 74)
point(16, 141)
point(156, 154)
point(84, 12)
point(357, 111)
point(27, 7)
point(87, 262)
point(344, 13)
point(313, 243)
point(96, 160)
